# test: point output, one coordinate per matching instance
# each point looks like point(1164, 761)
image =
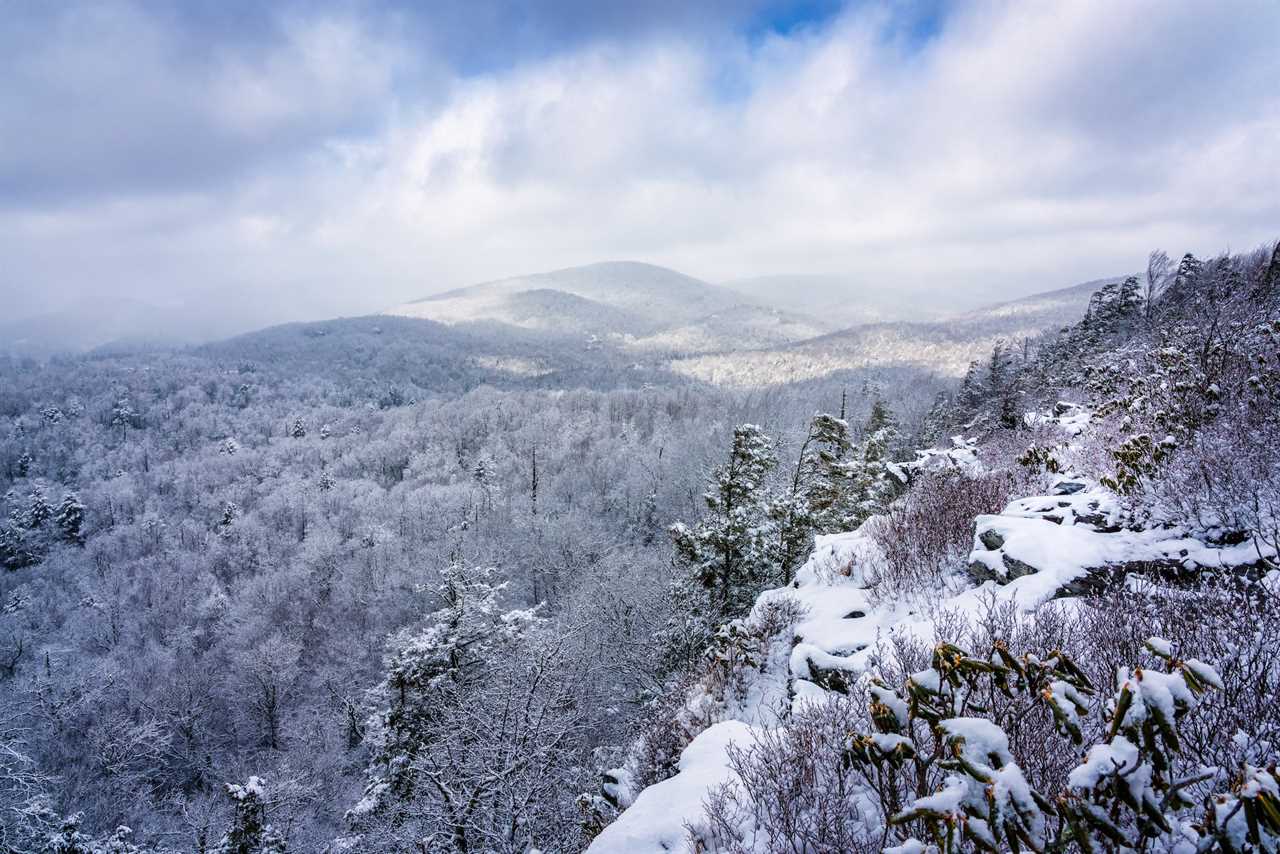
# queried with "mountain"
point(845, 300)
point(945, 346)
point(641, 307)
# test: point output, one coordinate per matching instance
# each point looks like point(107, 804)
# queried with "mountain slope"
point(638, 306)
point(946, 346)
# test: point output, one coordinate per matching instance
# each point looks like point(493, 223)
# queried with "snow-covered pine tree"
point(972, 388)
point(869, 480)
point(732, 551)
point(249, 832)
point(15, 549)
point(39, 510)
point(69, 518)
point(822, 472)
point(426, 668)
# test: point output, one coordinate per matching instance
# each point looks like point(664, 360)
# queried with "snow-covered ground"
point(1037, 549)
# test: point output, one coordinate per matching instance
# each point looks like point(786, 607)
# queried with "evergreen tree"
point(939, 419)
point(69, 518)
point(732, 549)
point(872, 483)
point(16, 551)
point(822, 472)
point(249, 832)
point(39, 510)
point(972, 388)
point(425, 668)
point(1129, 300)
point(299, 429)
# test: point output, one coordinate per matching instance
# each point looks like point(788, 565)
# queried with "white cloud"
point(1028, 146)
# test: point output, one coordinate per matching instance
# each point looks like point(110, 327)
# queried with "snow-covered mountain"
point(847, 300)
point(640, 306)
point(946, 346)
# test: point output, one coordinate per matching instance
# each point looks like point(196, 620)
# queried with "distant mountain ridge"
point(715, 334)
point(642, 307)
point(945, 346)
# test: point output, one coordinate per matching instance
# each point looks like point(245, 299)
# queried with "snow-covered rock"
point(1072, 539)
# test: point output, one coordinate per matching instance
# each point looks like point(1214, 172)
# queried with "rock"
point(981, 573)
point(1067, 487)
point(1094, 582)
point(829, 678)
point(1052, 517)
point(1017, 568)
point(990, 539)
point(855, 615)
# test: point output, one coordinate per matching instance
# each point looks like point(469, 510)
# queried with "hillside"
point(642, 307)
point(946, 346)
point(846, 300)
point(1052, 632)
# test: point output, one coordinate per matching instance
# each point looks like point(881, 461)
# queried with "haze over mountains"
point(746, 333)
point(727, 336)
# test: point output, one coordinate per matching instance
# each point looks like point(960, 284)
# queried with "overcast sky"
point(313, 159)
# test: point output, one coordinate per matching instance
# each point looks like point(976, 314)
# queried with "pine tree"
point(972, 388)
point(69, 518)
point(1129, 300)
point(872, 483)
point(123, 416)
point(937, 421)
point(425, 667)
point(39, 510)
point(16, 551)
point(731, 550)
point(299, 429)
point(249, 832)
point(821, 471)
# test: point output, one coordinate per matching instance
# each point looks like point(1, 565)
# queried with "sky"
point(303, 160)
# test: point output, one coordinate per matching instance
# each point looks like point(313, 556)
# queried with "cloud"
point(341, 162)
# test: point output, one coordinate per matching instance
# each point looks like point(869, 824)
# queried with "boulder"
point(1016, 568)
point(990, 540)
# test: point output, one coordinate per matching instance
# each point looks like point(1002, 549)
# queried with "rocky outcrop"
point(1075, 538)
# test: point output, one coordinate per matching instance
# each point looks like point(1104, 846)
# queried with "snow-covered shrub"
point(1225, 484)
point(795, 789)
point(928, 766)
point(738, 652)
point(1230, 623)
point(927, 534)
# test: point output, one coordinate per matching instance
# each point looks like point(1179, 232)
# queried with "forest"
point(340, 587)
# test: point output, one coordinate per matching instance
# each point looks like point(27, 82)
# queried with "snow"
point(1062, 536)
point(948, 800)
point(656, 821)
point(984, 744)
point(911, 846)
point(1161, 647)
point(1031, 553)
point(1104, 761)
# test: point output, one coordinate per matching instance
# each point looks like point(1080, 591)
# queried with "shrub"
point(929, 533)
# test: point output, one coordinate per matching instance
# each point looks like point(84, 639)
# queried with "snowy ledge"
point(1037, 549)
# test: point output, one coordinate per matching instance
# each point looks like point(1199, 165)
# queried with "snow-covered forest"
point(227, 563)
point(614, 427)
point(343, 587)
